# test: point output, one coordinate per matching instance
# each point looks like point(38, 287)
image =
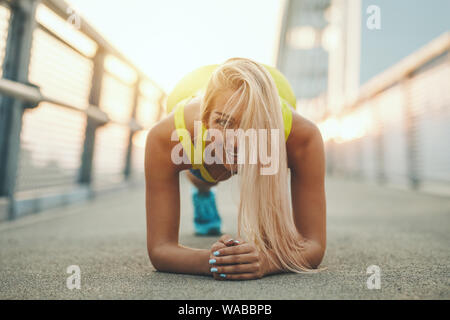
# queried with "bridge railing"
point(73, 110)
point(396, 131)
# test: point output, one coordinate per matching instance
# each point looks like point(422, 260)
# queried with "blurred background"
point(82, 81)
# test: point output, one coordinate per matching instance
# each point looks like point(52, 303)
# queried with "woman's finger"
point(238, 240)
point(235, 268)
point(224, 238)
point(236, 259)
point(228, 240)
point(216, 246)
point(238, 276)
point(240, 249)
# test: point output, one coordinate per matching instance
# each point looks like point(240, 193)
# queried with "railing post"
point(128, 157)
point(379, 149)
point(411, 144)
point(16, 63)
point(85, 173)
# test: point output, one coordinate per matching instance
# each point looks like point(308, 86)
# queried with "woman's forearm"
point(180, 259)
point(312, 253)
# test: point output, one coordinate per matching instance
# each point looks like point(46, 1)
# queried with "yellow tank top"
point(194, 83)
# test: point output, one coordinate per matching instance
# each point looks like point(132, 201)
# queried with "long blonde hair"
point(265, 213)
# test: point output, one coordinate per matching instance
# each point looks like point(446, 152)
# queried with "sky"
point(168, 39)
point(406, 26)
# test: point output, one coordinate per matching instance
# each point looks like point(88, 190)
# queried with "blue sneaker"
point(206, 218)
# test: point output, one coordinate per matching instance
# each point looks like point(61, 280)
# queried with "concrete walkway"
point(406, 234)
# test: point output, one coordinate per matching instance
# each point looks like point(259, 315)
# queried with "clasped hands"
point(235, 259)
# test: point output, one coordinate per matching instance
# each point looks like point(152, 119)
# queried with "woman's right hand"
point(225, 240)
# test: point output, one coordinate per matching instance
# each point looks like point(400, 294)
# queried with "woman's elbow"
point(156, 257)
point(316, 255)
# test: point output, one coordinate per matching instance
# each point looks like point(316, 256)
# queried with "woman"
point(280, 229)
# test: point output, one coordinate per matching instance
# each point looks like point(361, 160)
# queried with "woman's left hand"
point(239, 262)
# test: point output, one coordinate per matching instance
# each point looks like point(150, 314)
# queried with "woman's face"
point(218, 120)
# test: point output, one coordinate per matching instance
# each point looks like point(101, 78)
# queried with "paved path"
point(406, 234)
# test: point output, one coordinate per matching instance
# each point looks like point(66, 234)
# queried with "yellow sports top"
point(193, 84)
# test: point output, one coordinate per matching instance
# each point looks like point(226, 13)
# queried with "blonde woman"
point(282, 213)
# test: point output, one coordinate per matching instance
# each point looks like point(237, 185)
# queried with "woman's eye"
point(222, 122)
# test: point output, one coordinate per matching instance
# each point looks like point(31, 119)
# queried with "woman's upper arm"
point(307, 163)
point(162, 193)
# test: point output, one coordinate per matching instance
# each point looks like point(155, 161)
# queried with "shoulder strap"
point(184, 135)
point(287, 117)
point(185, 139)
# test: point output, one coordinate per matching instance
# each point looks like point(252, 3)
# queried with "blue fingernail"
point(211, 261)
point(223, 275)
point(213, 269)
point(216, 253)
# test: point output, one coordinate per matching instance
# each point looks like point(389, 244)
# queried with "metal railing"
point(396, 131)
point(19, 99)
point(34, 96)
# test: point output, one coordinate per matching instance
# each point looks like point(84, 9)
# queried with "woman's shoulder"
point(160, 142)
point(164, 128)
point(192, 113)
point(162, 137)
point(302, 129)
point(304, 134)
